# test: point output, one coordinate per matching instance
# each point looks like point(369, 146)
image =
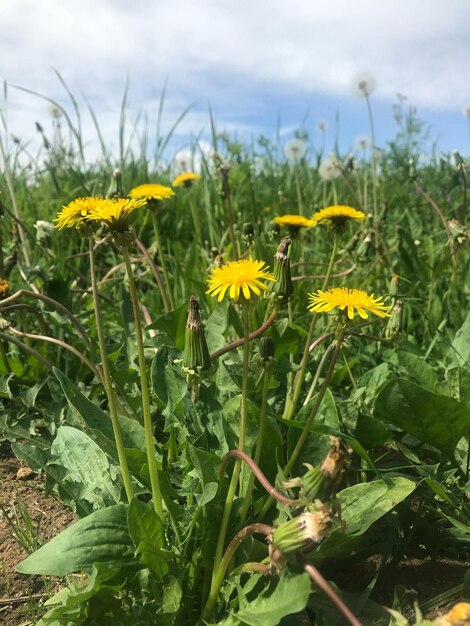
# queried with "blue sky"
point(253, 61)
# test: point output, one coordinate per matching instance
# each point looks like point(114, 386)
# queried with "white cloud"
point(222, 51)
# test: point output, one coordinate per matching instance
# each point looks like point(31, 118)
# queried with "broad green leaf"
point(169, 383)
point(101, 537)
point(87, 415)
point(146, 531)
point(363, 504)
point(82, 470)
point(373, 380)
point(289, 596)
point(430, 417)
point(415, 367)
point(173, 324)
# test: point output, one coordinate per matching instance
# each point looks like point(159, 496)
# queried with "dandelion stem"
point(291, 402)
point(259, 440)
point(323, 584)
point(219, 569)
point(144, 390)
point(308, 424)
point(108, 386)
point(156, 273)
point(162, 260)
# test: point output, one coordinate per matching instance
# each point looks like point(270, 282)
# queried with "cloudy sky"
point(256, 63)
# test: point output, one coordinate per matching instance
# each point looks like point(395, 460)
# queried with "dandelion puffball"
point(363, 85)
point(295, 149)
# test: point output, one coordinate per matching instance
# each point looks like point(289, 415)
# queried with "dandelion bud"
point(266, 348)
point(393, 289)
point(248, 233)
point(394, 323)
point(115, 186)
point(274, 230)
point(283, 285)
point(196, 357)
point(320, 482)
point(298, 534)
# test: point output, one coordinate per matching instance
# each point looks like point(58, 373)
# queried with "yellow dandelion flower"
point(459, 615)
point(114, 212)
point(151, 191)
point(186, 179)
point(4, 287)
point(337, 216)
point(76, 213)
point(350, 300)
point(239, 277)
point(293, 221)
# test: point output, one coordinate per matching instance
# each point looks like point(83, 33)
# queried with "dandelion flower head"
point(151, 191)
point(4, 287)
point(363, 142)
point(115, 212)
point(293, 221)
point(337, 216)
point(239, 278)
point(186, 179)
point(349, 300)
point(466, 110)
point(363, 85)
point(295, 149)
point(76, 213)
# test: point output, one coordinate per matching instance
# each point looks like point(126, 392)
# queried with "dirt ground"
point(21, 595)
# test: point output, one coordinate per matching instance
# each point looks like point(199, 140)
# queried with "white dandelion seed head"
point(329, 169)
point(323, 126)
point(363, 142)
point(295, 149)
point(466, 110)
point(183, 159)
point(54, 112)
point(363, 85)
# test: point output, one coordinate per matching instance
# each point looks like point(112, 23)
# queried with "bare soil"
point(20, 595)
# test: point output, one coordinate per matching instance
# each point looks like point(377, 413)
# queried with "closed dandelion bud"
point(248, 232)
point(283, 285)
point(394, 323)
point(274, 230)
point(196, 357)
point(300, 534)
point(321, 482)
point(393, 289)
point(266, 348)
point(115, 186)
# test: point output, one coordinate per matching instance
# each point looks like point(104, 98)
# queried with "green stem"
point(108, 386)
point(291, 404)
point(298, 189)
point(308, 424)
point(196, 219)
point(144, 390)
point(259, 440)
point(169, 292)
point(219, 568)
point(373, 164)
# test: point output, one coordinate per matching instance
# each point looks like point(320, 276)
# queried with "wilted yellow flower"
point(77, 212)
point(459, 615)
point(239, 277)
point(4, 287)
point(347, 299)
point(337, 216)
point(151, 191)
point(293, 221)
point(115, 212)
point(186, 179)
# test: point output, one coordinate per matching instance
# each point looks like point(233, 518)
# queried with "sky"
point(260, 65)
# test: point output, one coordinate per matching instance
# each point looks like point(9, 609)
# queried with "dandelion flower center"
point(239, 278)
point(349, 300)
